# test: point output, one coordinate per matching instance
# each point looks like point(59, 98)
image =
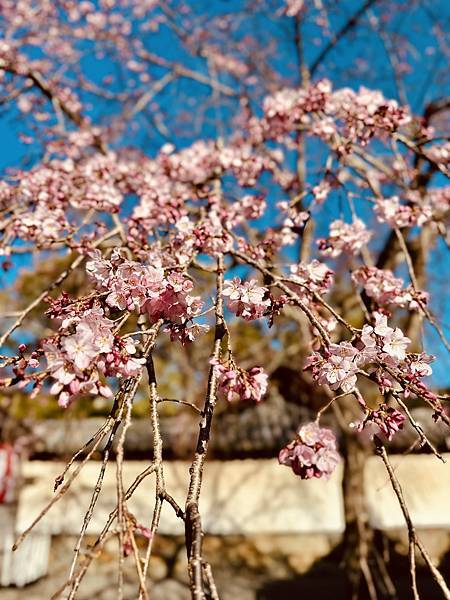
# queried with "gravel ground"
point(253, 569)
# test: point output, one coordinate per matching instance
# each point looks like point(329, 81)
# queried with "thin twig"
point(423, 438)
point(62, 277)
point(62, 490)
point(100, 541)
point(412, 535)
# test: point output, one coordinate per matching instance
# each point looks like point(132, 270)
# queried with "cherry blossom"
point(245, 164)
point(321, 191)
point(439, 153)
point(338, 369)
point(419, 365)
point(376, 347)
point(148, 289)
point(387, 419)
point(43, 224)
point(395, 344)
point(246, 208)
point(288, 109)
point(210, 236)
point(84, 353)
point(365, 113)
point(345, 237)
point(226, 62)
point(390, 211)
point(195, 164)
point(439, 200)
point(293, 223)
point(314, 276)
point(147, 184)
point(312, 453)
point(246, 299)
point(235, 382)
point(387, 290)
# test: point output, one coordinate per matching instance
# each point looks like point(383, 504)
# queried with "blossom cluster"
point(85, 352)
point(203, 161)
point(161, 198)
point(339, 367)
point(321, 191)
point(236, 382)
point(48, 193)
point(388, 419)
point(357, 116)
point(245, 164)
point(395, 214)
point(313, 277)
point(245, 209)
point(310, 281)
point(195, 164)
point(246, 299)
point(345, 237)
point(164, 186)
point(366, 113)
point(288, 109)
point(312, 453)
point(376, 345)
point(210, 237)
point(148, 289)
point(387, 290)
point(44, 224)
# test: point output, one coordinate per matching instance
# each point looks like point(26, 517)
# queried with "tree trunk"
point(358, 537)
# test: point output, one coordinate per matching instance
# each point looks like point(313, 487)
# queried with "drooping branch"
point(193, 525)
point(414, 540)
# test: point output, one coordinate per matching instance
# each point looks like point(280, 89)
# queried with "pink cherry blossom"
point(312, 453)
point(235, 382)
point(338, 369)
point(419, 365)
point(439, 153)
point(386, 418)
point(345, 237)
point(310, 433)
point(246, 299)
point(321, 191)
point(389, 210)
point(226, 62)
point(387, 290)
point(163, 226)
point(85, 353)
point(315, 276)
point(79, 350)
point(395, 344)
point(293, 7)
point(148, 289)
